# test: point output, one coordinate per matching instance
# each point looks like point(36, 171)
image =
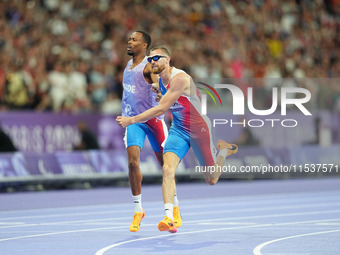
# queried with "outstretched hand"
point(155, 88)
point(124, 121)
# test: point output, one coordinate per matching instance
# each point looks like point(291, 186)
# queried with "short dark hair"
point(163, 49)
point(146, 38)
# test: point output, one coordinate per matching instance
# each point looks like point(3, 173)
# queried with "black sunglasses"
point(155, 58)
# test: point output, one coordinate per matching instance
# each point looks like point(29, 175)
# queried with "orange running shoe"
point(177, 217)
point(137, 218)
point(232, 148)
point(167, 224)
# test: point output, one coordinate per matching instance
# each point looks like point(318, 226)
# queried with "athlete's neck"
point(137, 59)
point(166, 75)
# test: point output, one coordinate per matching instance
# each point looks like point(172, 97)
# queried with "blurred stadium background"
point(61, 64)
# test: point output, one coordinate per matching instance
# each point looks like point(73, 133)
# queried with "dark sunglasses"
point(155, 58)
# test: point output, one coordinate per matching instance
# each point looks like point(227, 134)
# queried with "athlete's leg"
point(157, 136)
point(157, 133)
point(159, 156)
point(226, 149)
point(205, 152)
point(177, 217)
point(171, 161)
point(212, 177)
point(175, 148)
point(134, 140)
point(135, 179)
point(203, 147)
point(135, 174)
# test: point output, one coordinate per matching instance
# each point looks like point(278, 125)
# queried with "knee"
point(168, 172)
point(133, 165)
point(211, 181)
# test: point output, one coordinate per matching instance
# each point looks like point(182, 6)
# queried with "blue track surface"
point(257, 217)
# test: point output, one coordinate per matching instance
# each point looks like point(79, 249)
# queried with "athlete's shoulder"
point(181, 77)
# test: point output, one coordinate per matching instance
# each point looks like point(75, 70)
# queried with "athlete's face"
point(159, 65)
point(136, 44)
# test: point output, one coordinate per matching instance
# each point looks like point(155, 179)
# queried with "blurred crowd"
point(69, 55)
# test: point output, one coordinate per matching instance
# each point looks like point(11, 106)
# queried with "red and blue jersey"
point(186, 110)
point(189, 128)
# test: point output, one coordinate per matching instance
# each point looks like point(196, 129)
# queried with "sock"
point(137, 200)
point(169, 210)
point(175, 200)
point(223, 153)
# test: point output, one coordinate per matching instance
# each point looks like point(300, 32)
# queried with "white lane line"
point(256, 209)
point(55, 233)
point(324, 195)
point(12, 223)
point(145, 225)
point(237, 200)
point(71, 214)
point(257, 250)
point(104, 249)
point(187, 222)
point(323, 205)
point(280, 215)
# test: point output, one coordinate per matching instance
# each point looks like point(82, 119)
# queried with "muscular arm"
point(164, 104)
point(178, 86)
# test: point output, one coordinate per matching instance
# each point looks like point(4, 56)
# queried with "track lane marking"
point(257, 249)
point(106, 248)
